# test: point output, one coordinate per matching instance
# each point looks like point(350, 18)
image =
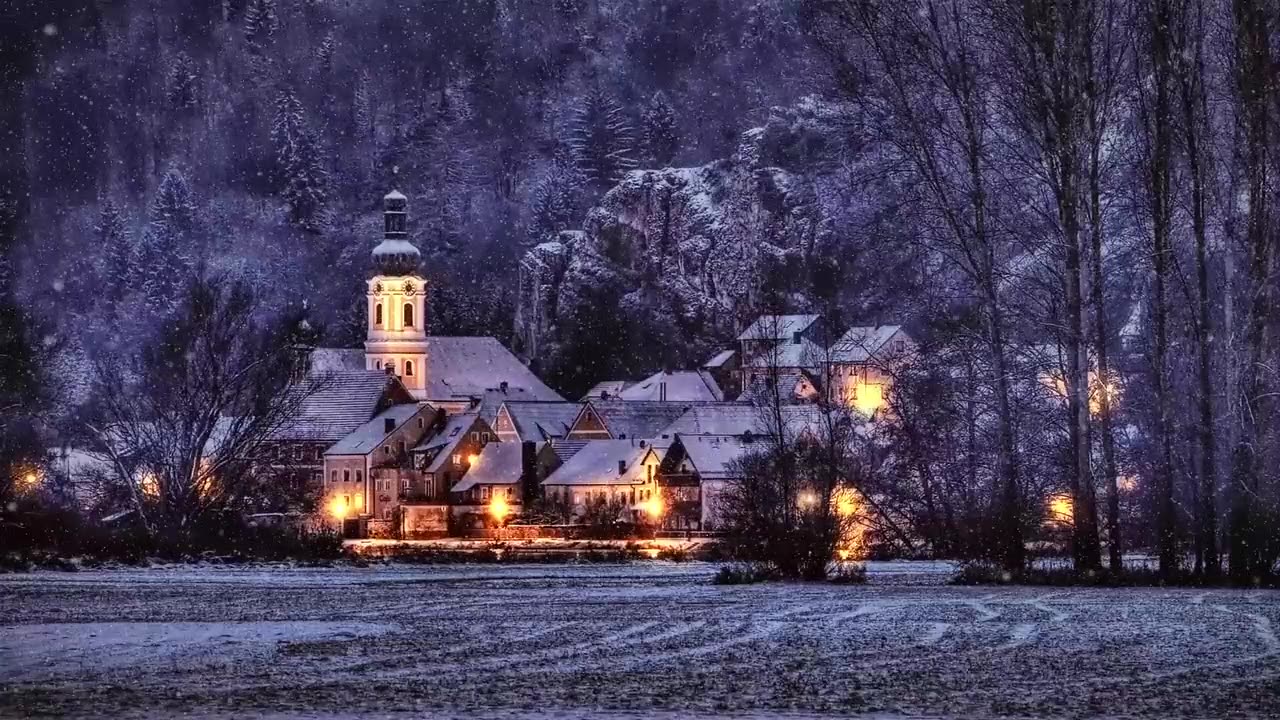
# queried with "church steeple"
point(395, 255)
point(397, 337)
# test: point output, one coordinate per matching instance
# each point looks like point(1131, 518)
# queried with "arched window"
point(379, 364)
point(377, 314)
point(408, 368)
point(408, 315)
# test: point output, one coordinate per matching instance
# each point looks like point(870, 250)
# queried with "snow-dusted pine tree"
point(302, 178)
point(260, 23)
point(556, 201)
point(362, 109)
point(116, 245)
point(183, 92)
point(661, 138)
point(324, 55)
point(162, 262)
point(602, 139)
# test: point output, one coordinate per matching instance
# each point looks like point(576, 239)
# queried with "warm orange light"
point(499, 508)
point(866, 398)
point(1127, 483)
point(846, 502)
point(808, 499)
point(31, 479)
point(653, 507)
point(149, 484)
point(1061, 509)
point(338, 508)
point(472, 458)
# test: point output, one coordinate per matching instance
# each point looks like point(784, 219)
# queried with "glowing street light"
point(808, 499)
point(338, 508)
point(499, 508)
point(653, 507)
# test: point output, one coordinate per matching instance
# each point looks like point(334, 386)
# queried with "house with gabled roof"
point(343, 401)
point(678, 386)
point(613, 473)
point(862, 361)
point(622, 420)
point(367, 469)
point(519, 421)
point(693, 474)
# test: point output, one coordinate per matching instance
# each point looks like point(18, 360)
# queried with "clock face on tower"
point(409, 289)
point(377, 287)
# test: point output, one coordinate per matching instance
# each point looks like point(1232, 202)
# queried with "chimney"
point(662, 390)
point(503, 387)
point(622, 467)
point(530, 490)
point(388, 426)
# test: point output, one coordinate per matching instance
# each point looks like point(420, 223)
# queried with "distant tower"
point(397, 334)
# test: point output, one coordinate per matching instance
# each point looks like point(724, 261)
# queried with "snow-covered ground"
point(650, 640)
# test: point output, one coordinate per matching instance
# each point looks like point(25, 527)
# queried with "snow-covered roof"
point(499, 463)
point(793, 386)
point(609, 388)
point(636, 418)
point(457, 368)
point(394, 195)
point(468, 366)
point(712, 455)
point(777, 327)
point(395, 248)
point(541, 421)
point(803, 354)
point(366, 438)
point(675, 386)
point(859, 344)
point(345, 400)
point(596, 463)
point(720, 359)
point(738, 419)
point(443, 441)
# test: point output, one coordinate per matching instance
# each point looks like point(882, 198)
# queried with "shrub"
point(744, 574)
point(674, 554)
point(848, 573)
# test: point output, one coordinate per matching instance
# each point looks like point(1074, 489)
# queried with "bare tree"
point(183, 419)
point(917, 72)
point(1255, 94)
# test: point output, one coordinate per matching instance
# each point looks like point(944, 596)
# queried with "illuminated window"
point(484, 493)
point(408, 368)
point(377, 314)
point(408, 315)
point(457, 458)
point(359, 501)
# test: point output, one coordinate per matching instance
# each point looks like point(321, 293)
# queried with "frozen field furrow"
point(640, 640)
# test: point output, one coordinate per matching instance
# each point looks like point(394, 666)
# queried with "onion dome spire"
point(395, 255)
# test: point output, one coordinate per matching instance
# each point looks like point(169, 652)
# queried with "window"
point(475, 436)
point(508, 492)
point(484, 493)
point(633, 496)
point(457, 458)
point(408, 315)
point(400, 446)
point(386, 449)
point(419, 423)
point(404, 484)
point(386, 513)
point(377, 314)
point(333, 476)
point(316, 477)
point(408, 368)
point(359, 476)
point(378, 365)
point(484, 436)
point(346, 476)
point(359, 501)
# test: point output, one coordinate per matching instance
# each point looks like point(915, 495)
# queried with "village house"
point(693, 474)
point(520, 421)
point(379, 451)
point(618, 474)
point(862, 363)
point(663, 386)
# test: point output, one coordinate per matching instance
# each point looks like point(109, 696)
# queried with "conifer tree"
point(116, 244)
point(324, 56)
point(260, 23)
point(556, 201)
point(163, 259)
point(602, 139)
point(183, 92)
point(302, 179)
point(660, 135)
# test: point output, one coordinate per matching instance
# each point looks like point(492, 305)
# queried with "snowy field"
point(650, 640)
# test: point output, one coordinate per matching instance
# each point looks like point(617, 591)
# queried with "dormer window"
point(377, 314)
point(408, 315)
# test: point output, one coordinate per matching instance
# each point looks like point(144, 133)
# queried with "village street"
point(638, 640)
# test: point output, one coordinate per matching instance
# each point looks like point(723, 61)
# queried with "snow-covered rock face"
point(694, 250)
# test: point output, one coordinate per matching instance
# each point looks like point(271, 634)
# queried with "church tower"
point(397, 334)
